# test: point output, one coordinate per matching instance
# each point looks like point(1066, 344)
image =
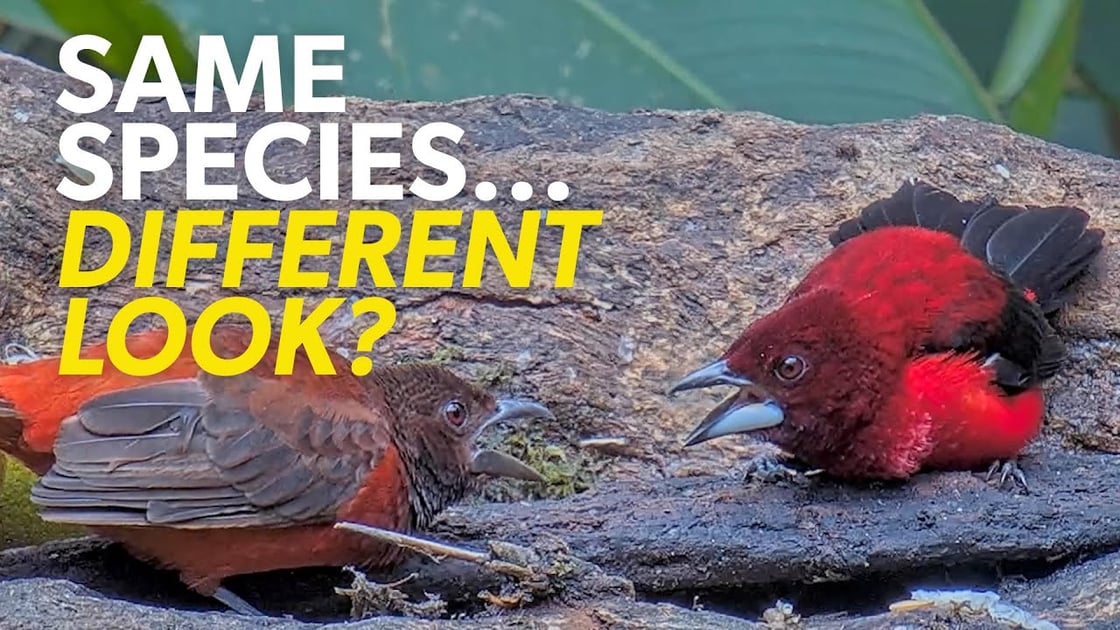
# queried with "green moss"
point(447, 354)
point(500, 373)
point(20, 524)
point(566, 471)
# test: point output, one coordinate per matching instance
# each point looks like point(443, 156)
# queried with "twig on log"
point(604, 442)
point(541, 570)
point(438, 551)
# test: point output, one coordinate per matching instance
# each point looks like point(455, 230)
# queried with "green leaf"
point(1098, 47)
point(807, 60)
point(979, 29)
point(123, 23)
point(29, 16)
point(1036, 106)
point(1035, 25)
point(1082, 123)
point(26, 30)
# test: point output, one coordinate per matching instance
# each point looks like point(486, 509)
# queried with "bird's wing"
point(1044, 250)
point(213, 452)
point(1038, 252)
point(1022, 349)
point(915, 203)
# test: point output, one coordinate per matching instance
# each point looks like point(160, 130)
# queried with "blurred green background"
point(1046, 67)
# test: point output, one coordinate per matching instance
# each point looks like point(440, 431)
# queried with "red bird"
point(919, 342)
point(220, 476)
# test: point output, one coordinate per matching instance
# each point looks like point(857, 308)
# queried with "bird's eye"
point(455, 413)
point(790, 368)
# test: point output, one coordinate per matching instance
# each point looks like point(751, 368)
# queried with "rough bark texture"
point(709, 219)
point(705, 533)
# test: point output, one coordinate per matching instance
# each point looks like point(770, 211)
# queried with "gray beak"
point(736, 415)
point(715, 373)
point(496, 464)
point(509, 410)
point(751, 409)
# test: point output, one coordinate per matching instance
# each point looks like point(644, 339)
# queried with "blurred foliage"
point(19, 523)
point(1035, 90)
point(123, 22)
point(1085, 116)
point(1046, 67)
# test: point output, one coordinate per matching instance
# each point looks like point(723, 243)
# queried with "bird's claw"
point(235, 603)
point(771, 468)
point(1007, 469)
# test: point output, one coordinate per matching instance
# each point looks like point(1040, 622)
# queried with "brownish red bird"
point(920, 341)
point(220, 476)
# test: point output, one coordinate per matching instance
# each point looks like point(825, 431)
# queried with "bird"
point(216, 476)
point(921, 341)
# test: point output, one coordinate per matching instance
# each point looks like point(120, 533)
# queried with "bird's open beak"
point(751, 409)
point(497, 464)
point(715, 373)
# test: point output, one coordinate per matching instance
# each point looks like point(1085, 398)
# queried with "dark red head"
point(809, 377)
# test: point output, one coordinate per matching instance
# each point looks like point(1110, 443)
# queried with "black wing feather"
point(1025, 348)
point(1044, 249)
point(914, 204)
point(982, 226)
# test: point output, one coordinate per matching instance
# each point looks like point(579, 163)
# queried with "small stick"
point(602, 442)
point(437, 551)
point(18, 353)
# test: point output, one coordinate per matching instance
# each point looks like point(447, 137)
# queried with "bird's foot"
point(1007, 469)
point(235, 603)
point(773, 468)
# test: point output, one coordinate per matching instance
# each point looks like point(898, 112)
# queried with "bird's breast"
point(972, 422)
point(383, 499)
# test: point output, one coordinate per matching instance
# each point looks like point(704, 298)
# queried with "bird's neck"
point(430, 490)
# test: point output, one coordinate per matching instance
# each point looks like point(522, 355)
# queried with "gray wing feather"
point(167, 454)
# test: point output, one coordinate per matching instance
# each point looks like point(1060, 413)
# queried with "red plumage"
point(920, 341)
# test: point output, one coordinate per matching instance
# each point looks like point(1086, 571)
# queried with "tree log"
point(709, 218)
point(718, 533)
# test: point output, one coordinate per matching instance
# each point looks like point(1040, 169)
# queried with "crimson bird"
point(919, 342)
point(219, 476)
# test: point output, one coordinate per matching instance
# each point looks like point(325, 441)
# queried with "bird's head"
point(809, 376)
point(439, 418)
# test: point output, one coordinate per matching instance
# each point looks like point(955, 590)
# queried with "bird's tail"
point(13, 424)
point(12, 442)
point(1042, 250)
point(11, 427)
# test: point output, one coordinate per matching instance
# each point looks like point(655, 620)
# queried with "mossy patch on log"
point(20, 525)
point(566, 470)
